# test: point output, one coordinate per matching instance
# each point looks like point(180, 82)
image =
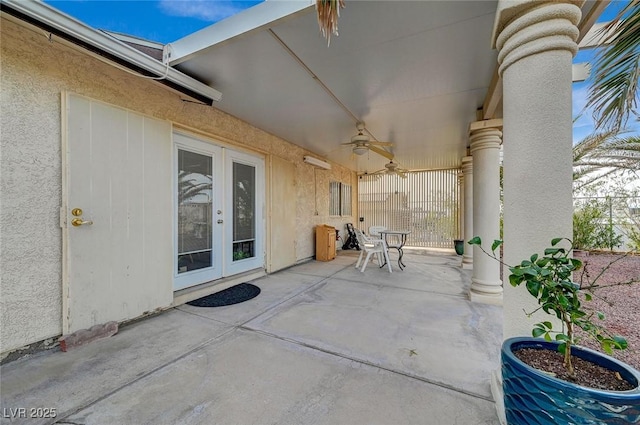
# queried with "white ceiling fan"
point(361, 144)
point(391, 168)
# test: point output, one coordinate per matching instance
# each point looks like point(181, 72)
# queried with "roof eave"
point(64, 26)
point(256, 18)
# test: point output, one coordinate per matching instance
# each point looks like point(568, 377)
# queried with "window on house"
point(339, 199)
point(334, 198)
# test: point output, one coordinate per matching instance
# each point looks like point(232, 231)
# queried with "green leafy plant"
point(591, 229)
point(631, 224)
point(549, 279)
point(632, 230)
point(240, 255)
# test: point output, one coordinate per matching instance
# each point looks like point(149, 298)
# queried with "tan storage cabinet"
point(325, 243)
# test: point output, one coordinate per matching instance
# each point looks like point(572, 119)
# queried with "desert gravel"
point(618, 297)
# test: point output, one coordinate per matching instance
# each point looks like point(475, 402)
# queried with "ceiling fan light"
point(360, 150)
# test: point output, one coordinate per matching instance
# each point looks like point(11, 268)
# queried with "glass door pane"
point(244, 208)
point(194, 211)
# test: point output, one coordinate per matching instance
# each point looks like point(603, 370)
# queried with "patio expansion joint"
point(60, 419)
point(63, 415)
point(368, 363)
point(313, 274)
point(284, 300)
point(426, 291)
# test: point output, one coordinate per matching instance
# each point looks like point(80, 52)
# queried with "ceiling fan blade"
point(381, 152)
point(375, 142)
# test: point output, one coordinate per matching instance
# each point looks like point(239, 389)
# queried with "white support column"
point(536, 44)
point(467, 172)
point(486, 286)
point(460, 181)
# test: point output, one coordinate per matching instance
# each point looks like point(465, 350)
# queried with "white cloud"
point(206, 10)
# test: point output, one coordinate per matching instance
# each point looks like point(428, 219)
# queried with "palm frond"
point(590, 143)
point(188, 188)
point(614, 92)
point(602, 154)
point(328, 12)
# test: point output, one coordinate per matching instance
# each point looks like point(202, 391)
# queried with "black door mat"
point(233, 295)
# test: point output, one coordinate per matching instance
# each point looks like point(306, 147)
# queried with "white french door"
point(218, 198)
point(198, 212)
point(244, 177)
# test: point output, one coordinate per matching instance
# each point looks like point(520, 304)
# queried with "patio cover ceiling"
point(415, 72)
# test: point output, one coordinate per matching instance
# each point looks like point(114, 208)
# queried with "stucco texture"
point(35, 71)
point(535, 127)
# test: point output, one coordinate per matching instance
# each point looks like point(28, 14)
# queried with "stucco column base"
point(486, 292)
point(492, 299)
point(467, 263)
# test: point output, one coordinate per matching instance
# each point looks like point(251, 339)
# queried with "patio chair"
point(372, 246)
point(392, 241)
point(374, 231)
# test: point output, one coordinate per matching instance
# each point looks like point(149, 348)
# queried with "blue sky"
point(584, 124)
point(166, 21)
point(163, 21)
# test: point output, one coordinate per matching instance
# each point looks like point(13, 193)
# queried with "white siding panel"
point(119, 173)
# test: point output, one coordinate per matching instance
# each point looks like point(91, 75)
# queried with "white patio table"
point(400, 238)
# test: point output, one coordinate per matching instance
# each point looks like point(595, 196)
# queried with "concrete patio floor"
point(322, 344)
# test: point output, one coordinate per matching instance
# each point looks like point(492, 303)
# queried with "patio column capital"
point(524, 28)
point(485, 138)
point(467, 165)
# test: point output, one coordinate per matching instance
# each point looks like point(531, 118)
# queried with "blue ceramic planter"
point(534, 398)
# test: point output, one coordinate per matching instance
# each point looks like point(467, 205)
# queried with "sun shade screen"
point(244, 206)
point(425, 202)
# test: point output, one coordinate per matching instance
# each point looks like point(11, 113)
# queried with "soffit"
point(415, 72)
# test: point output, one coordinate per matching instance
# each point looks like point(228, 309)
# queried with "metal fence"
point(424, 202)
point(427, 204)
point(615, 217)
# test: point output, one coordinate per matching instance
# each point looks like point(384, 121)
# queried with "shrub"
point(591, 229)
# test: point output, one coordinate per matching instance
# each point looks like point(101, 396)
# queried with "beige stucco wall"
point(34, 73)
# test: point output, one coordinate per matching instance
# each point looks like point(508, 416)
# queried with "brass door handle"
point(79, 222)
